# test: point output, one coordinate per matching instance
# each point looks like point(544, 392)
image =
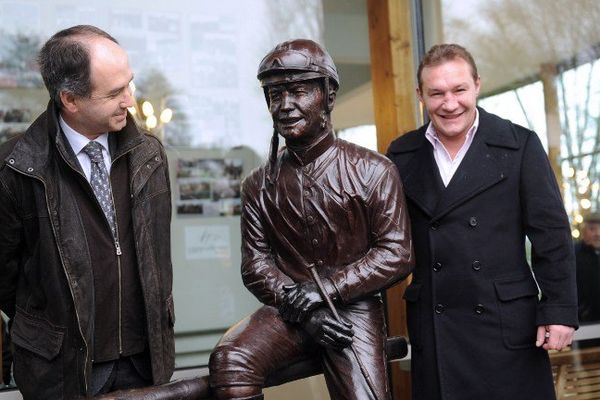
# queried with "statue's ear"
point(331, 98)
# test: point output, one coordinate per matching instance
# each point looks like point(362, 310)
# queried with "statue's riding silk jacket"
point(473, 305)
point(337, 207)
point(46, 282)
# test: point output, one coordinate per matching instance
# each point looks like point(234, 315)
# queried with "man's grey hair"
point(65, 61)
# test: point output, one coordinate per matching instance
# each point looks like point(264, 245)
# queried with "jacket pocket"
point(37, 335)
point(412, 295)
point(38, 362)
point(518, 298)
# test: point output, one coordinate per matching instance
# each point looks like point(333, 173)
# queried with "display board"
point(205, 241)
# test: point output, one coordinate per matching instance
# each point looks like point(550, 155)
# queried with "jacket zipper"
point(119, 275)
point(119, 252)
point(62, 262)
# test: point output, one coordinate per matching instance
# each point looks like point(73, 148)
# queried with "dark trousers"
point(125, 373)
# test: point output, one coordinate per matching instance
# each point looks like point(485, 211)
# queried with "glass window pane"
point(195, 85)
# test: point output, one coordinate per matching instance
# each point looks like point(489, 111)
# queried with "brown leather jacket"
point(46, 282)
point(337, 206)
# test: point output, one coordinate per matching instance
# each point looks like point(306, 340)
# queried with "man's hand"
point(326, 331)
point(554, 337)
point(299, 300)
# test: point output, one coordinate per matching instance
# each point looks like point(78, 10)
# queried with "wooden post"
point(548, 73)
point(393, 78)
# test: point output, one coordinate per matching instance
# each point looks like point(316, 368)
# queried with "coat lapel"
point(420, 176)
point(485, 164)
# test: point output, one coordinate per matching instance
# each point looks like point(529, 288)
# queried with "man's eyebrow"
point(119, 89)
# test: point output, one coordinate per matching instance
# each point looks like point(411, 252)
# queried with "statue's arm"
point(259, 271)
point(390, 257)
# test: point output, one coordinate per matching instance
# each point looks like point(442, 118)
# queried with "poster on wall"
point(209, 187)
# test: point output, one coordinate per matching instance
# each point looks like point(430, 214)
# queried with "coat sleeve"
point(546, 225)
point(11, 237)
point(390, 257)
point(259, 271)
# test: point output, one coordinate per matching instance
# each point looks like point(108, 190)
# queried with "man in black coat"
point(587, 255)
point(480, 323)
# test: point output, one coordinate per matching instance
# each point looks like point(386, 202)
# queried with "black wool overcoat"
point(473, 304)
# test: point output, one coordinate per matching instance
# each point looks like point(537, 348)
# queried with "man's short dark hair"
point(65, 61)
point(592, 218)
point(440, 53)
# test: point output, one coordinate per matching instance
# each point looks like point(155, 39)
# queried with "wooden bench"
point(577, 374)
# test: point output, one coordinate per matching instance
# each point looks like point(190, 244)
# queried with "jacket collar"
point(481, 168)
point(306, 155)
point(33, 151)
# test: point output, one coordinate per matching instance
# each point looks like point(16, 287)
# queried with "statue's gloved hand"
point(299, 300)
point(327, 331)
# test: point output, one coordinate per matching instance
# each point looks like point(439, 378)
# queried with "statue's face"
point(297, 109)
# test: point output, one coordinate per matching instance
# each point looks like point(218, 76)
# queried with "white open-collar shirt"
point(446, 164)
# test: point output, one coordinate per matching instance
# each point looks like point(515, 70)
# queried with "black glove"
point(327, 331)
point(298, 300)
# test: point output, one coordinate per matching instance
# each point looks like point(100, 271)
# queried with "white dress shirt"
point(78, 142)
point(446, 164)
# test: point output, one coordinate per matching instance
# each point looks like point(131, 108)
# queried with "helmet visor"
point(283, 60)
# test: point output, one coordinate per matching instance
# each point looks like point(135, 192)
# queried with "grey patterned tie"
point(101, 183)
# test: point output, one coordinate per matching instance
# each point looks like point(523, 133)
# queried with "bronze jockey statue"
point(324, 230)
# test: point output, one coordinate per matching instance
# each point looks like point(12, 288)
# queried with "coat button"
point(435, 226)
point(315, 242)
point(479, 309)
point(11, 161)
point(473, 222)
point(310, 218)
point(439, 308)
point(320, 263)
point(437, 266)
point(476, 265)
point(306, 193)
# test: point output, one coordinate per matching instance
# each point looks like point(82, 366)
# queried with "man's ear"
point(419, 94)
point(69, 101)
point(477, 86)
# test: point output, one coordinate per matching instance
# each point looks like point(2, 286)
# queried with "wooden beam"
point(392, 69)
point(548, 74)
point(393, 78)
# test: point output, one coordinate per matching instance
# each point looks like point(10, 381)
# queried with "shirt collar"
point(79, 141)
point(433, 138)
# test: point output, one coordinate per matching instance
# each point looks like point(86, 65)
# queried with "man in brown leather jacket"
point(88, 289)
point(318, 203)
